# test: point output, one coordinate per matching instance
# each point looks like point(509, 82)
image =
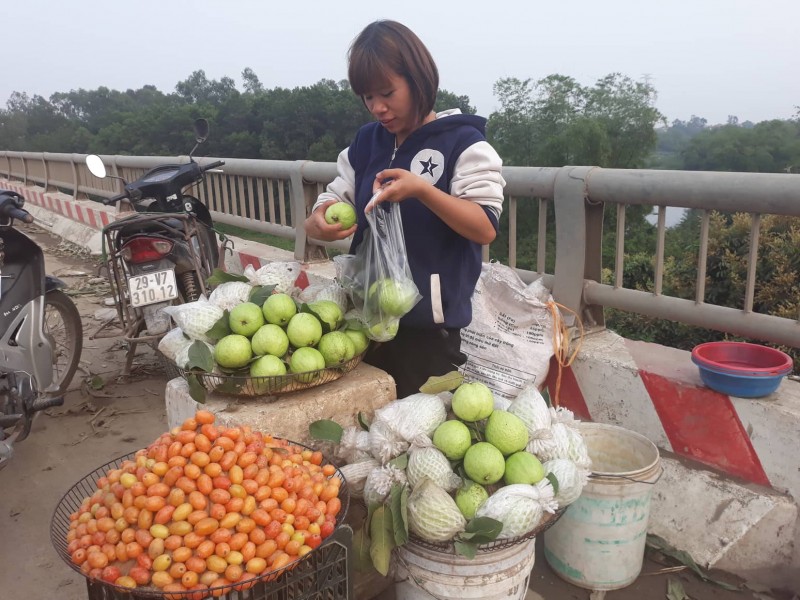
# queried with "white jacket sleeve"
point(343, 188)
point(478, 177)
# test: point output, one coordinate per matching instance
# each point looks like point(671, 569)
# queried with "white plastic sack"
point(414, 415)
point(328, 291)
point(510, 338)
point(229, 294)
point(281, 274)
point(172, 343)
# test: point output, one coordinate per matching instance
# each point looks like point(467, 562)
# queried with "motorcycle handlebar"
point(213, 165)
point(114, 199)
point(20, 215)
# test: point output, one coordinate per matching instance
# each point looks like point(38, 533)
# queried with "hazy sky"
point(710, 58)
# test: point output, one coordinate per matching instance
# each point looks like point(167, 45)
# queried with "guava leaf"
point(361, 544)
point(400, 461)
point(442, 383)
point(551, 477)
point(546, 396)
point(260, 293)
point(382, 536)
point(200, 357)
point(675, 590)
point(362, 421)
point(327, 430)
point(466, 549)
point(196, 390)
point(481, 530)
point(221, 328)
point(326, 328)
point(399, 503)
point(686, 559)
point(96, 382)
point(219, 276)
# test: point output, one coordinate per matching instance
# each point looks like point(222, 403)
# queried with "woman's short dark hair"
point(385, 46)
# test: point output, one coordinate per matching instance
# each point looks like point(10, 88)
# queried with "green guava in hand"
point(342, 213)
point(473, 401)
point(270, 339)
point(304, 329)
point(233, 351)
point(278, 309)
point(453, 438)
point(246, 318)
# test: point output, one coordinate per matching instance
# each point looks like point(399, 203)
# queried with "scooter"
point(164, 251)
point(41, 337)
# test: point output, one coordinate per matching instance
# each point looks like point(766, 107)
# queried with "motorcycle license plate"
point(152, 287)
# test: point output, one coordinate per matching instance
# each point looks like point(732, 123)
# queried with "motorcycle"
point(41, 337)
point(164, 251)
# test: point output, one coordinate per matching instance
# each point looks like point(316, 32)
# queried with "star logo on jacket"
point(428, 164)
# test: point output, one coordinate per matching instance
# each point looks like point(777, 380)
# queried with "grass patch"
point(256, 236)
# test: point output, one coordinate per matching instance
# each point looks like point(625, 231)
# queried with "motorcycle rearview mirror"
point(96, 166)
point(200, 134)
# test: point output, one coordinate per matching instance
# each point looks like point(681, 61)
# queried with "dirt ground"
point(105, 417)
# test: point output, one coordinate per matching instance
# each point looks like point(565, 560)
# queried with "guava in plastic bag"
point(433, 514)
point(195, 318)
point(355, 474)
point(519, 507)
point(230, 294)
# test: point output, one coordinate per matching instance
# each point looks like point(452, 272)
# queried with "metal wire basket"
point(245, 385)
point(71, 501)
point(548, 520)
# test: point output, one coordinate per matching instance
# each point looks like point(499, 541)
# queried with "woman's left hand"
point(395, 185)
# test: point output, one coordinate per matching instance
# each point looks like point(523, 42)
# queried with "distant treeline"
point(554, 121)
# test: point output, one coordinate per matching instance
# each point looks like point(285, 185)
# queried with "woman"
point(448, 180)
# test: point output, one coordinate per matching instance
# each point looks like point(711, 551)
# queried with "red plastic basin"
point(742, 358)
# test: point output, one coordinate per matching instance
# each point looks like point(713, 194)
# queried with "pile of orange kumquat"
point(205, 507)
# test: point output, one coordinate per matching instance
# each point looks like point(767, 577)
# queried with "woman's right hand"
point(316, 227)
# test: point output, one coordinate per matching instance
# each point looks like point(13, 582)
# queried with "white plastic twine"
point(354, 445)
point(384, 443)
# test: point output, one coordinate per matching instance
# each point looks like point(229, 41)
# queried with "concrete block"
point(73, 231)
point(740, 528)
point(364, 390)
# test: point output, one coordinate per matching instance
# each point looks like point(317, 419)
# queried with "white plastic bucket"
point(599, 542)
point(502, 574)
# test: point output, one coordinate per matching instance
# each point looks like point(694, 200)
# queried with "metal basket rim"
point(150, 592)
point(292, 379)
point(449, 547)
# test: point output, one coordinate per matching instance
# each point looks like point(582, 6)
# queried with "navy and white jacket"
point(452, 153)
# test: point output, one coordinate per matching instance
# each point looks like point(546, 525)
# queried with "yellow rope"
point(565, 352)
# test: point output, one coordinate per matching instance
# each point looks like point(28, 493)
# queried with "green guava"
point(523, 467)
point(304, 329)
point(266, 366)
point(245, 319)
point(469, 497)
point(306, 359)
point(270, 339)
point(336, 348)
point(233, 351)
point(453, 438)
point(342, 213)
point(506, 432)
point(328, 311)
point(473, 401)
point(278, 309)
point(484, 463)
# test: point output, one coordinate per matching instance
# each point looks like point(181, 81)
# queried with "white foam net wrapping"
point(172, 342)
point(330, 291)
point(414, 415)
point(195, 318)
point(571, 479)
point(433, 514)
point(282, 275)
point(519, 507)
point(531, 407)
point(379, 483)
point(356, 474)
point(384, 443)
point(354, 445)
point(430, 463)
point(230, 294)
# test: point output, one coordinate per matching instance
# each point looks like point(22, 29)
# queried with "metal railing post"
point(303, 197)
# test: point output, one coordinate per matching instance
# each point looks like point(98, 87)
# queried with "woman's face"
point(393, 106)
